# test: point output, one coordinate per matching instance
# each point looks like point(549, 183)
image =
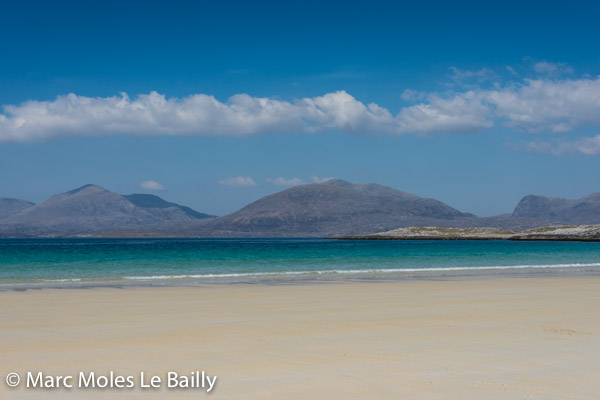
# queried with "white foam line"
point(355, 271)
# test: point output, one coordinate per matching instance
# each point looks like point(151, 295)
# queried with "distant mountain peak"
point(337, 182)
point(331, 208)
point(10, 200)
point(585, 210)
point(86, 189)
point(368, 188)
point(153, 201)
point(9, 206)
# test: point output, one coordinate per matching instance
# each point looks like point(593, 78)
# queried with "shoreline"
point(545, 233)
point(457, 238)
point(321, 277)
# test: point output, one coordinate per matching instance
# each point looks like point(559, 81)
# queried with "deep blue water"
point(54, 260)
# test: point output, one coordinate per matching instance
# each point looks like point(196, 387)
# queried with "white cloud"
point(317, 179)
point(151, 185)
point(242, 181)
point(149, 114)
point(588, 146)
point(203, 115)
point(531, 105)
point(540, 104)
point(465, 112)
point(552, 69)
point(285, 181)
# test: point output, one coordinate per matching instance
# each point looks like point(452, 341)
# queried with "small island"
point(580, 233)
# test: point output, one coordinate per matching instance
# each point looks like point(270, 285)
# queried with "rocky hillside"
point(10, 207)
point(581, 211)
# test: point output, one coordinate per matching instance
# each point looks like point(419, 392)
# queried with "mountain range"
point(577, 212)
point(91, 209)
point(335, 207)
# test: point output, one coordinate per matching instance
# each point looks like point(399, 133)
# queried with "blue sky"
point(213, 106)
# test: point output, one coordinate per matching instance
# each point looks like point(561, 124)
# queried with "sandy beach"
point(491, 338)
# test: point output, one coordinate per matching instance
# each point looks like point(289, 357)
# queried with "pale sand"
point(496, 338)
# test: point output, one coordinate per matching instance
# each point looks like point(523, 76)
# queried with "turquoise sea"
point(48, 262)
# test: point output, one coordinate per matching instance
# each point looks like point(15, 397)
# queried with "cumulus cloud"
point(546, 105)
point(285, 181)
point(203, 115)
point(317, 179)
point(464, 112)
point(151, 185)
point(531, 105)
point(242, 181)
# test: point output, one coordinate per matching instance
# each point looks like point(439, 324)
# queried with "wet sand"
point(490, 338)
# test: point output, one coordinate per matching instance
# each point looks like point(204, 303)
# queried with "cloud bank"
point(589, 146)
point(532, 105)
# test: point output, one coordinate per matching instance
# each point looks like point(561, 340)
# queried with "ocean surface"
point(51, 262)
